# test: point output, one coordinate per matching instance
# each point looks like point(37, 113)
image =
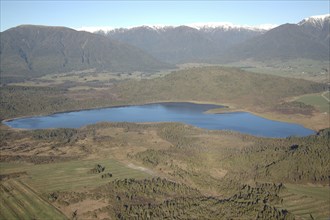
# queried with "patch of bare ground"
point(315, 121)
point(218, 173)
point(132, 142)
point(130, 165)
point(84, 208)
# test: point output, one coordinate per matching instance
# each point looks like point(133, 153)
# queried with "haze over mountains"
point(307, 39)
point(185, 43)
point(226, 42)
point(38, 50)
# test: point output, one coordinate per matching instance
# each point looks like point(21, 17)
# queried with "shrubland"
point(167, 170)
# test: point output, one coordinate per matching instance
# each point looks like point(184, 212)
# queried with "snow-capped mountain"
point(308, 39)
point(230, 26)
point(318, 26)
point(95, 29)
point(191, 42)
point(205, 41)
point(198, 26)
point(317, 21)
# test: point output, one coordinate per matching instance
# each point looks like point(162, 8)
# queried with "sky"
point(78, 14)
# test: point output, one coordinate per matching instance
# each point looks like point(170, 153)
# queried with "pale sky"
point(77, 14)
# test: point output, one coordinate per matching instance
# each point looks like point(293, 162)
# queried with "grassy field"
point(300, 68)
point(216, 84)
point(307, 202)
point(19, 201)
point(316, 100)
point(88, 78)
point(327, 94)
point(71, 175)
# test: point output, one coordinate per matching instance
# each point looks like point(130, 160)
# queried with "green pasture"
point(316, 100)
point(307, 202)
point(71, 175)
point(18, 201)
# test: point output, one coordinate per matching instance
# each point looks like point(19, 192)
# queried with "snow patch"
point(95, 28)
point(317, 21)
point(199, 26)
point(231, 26)
point(322, 17)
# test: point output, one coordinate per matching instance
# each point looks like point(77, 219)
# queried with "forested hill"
point(30, 50)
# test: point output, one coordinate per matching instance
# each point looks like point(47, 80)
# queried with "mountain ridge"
point(30, 50)
point(33, 50)
point(288, 41)
point(183, 43)
point(316, 20)
point(198, 25)
point(201, 25)
point(206, 43)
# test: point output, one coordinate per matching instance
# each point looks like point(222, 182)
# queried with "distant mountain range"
point(182, 44)
point(226, 42)
point(31, 50)
point(308, 39)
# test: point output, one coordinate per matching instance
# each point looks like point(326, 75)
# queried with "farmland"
point(73, 174)
point(313, 70)
point(318, 100)
point(19, 201)
point(307, 202)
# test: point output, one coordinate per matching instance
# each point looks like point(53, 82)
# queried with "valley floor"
point(165, 170)
point(161, 170)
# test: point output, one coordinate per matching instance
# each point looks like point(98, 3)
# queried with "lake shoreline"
point(223, 108)
point(110, 106)
point(206, 116)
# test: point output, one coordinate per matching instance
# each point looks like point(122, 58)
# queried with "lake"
point(188, 113)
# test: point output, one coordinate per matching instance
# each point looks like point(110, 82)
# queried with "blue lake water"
point(187, 113)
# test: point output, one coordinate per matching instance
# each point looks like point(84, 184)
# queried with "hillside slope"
point(217, 84)
point(183, 43)
point(318, 26)
point(288, 41)
point(307, 39)
point(37, 50)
